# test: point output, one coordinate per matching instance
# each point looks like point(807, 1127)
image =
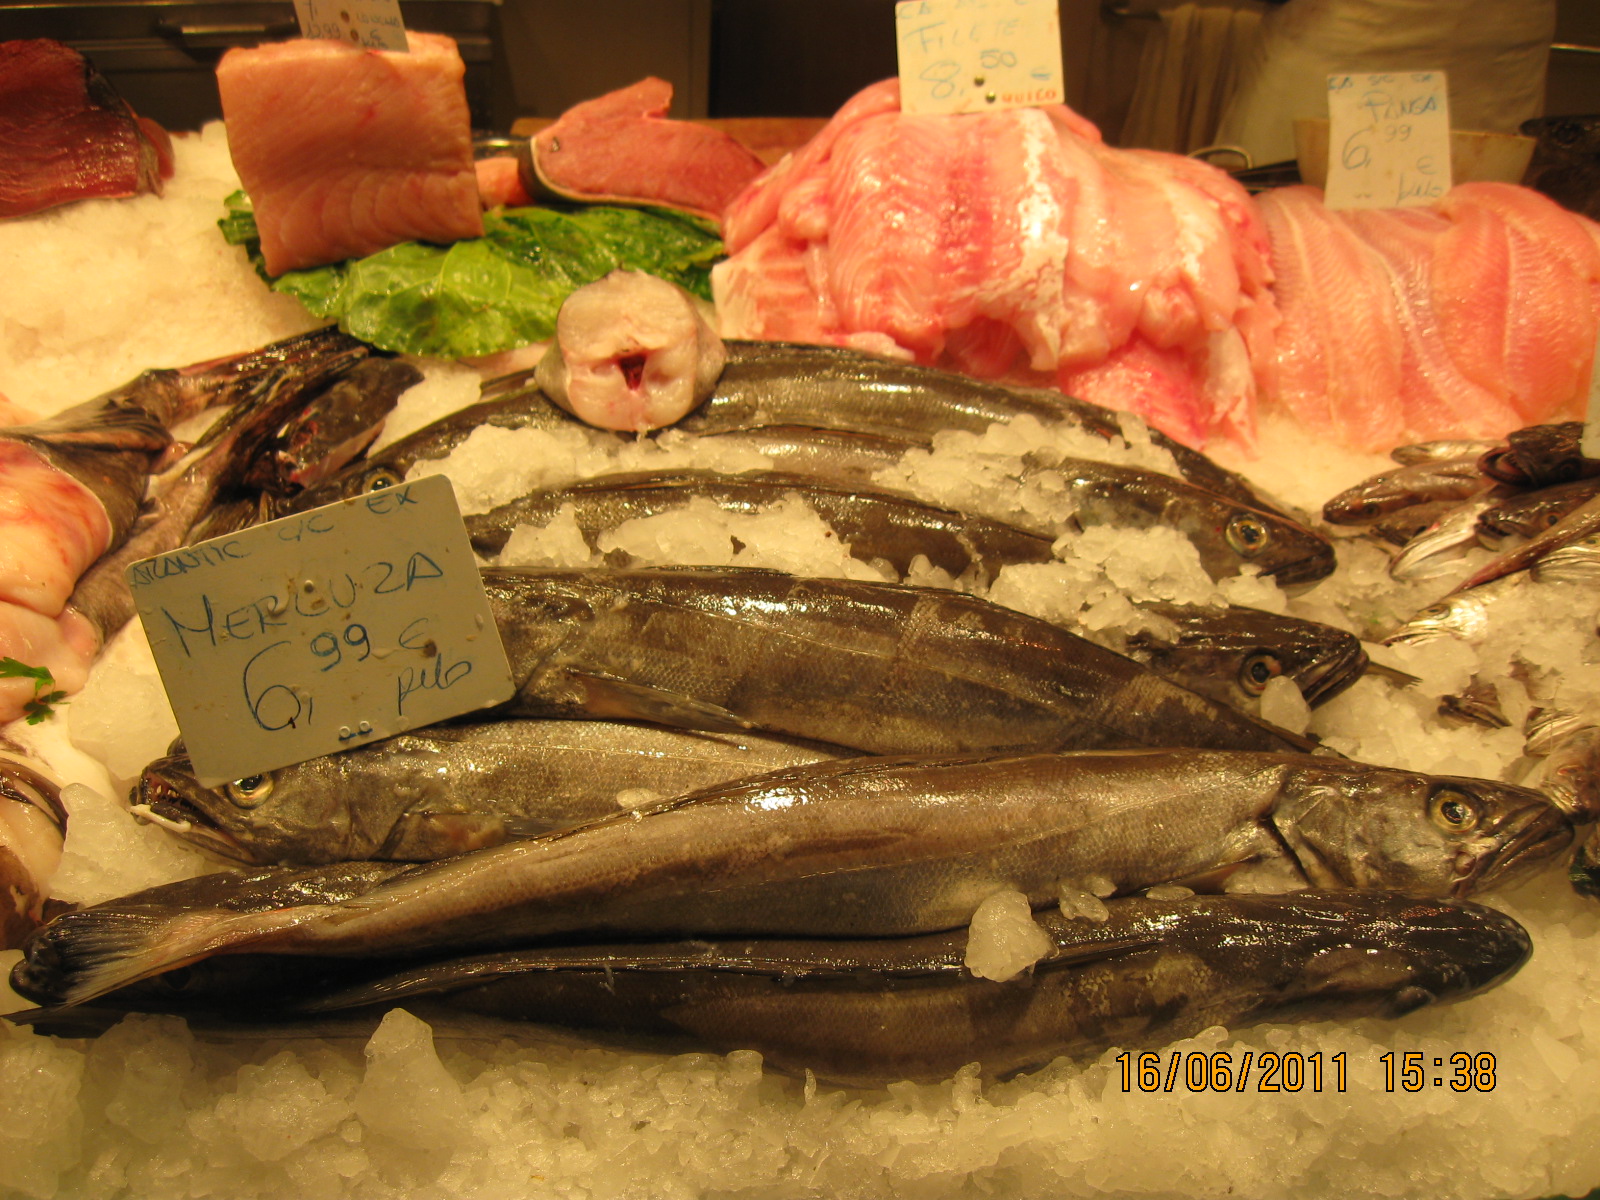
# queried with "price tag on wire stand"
point(322, 631)
point(374, 24)
point(1388, 139)
point(960, 56)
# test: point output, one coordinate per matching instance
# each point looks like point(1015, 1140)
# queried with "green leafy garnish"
point(38, 708)
point(493, 293)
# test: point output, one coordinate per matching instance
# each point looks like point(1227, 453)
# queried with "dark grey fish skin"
point(1541, 455)
point(834, 454)
point(165, 521)
point(867, 847)
point(525, 408)
point(1401, 526)
point(789, 383)
point(1389, 491)
point(112, 444)
point(866, 1013)
point(447, 789)
point(1231, 654)
point(1531, 513)
point(876, 667)
point(874, 525)
point(1438, 451)
point(333, 427)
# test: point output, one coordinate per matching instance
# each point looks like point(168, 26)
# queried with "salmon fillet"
point(346, 151)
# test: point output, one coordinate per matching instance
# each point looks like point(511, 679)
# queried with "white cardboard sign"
point(1388, 139)
point(374, 24)
point(322, 630)
point(960, 56)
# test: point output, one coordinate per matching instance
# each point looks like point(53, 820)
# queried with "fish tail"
point(87, 953)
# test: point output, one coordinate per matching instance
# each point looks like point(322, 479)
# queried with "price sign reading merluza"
point(374, 24)
point(1388, 139)
point(974, 55)
point(321, 631)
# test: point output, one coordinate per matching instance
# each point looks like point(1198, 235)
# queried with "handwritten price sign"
point(374, 24)
point(1388, 139)
point(974, 55)
point(322, 630)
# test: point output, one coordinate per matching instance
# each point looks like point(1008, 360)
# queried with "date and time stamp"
point(1292, 1071)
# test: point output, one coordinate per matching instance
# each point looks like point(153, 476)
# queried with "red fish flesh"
point(1011, 245)
point(346, 151)
point(621, 148)
point(66, 135)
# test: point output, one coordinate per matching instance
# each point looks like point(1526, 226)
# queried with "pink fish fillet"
point(66, 135)
point(1339, 338)
point(1436, 399)
point(1551, 314)
point(65, 645)
point(621, 147)
point(51, 528)
point(345, 151)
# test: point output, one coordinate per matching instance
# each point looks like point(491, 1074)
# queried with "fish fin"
point(1080, 956)
point(623, 699)
point(425, 836)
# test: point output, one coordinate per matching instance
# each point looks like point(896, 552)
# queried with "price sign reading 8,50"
point(976, 55)
point(298, 637)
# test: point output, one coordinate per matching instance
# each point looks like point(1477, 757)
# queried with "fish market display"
point(417, 1095)
point(621, 148)
point(65, 133)
point(1011, 243)
point(632, 352)
point(346, 151)
point(446, 789)
point(866, 847)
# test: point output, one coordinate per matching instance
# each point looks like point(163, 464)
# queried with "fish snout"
point(1516, 845)
point(162, 797)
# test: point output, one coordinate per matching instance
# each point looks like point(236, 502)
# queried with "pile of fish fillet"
point(1105, 924)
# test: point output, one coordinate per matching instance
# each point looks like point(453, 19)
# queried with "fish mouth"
point(158, 799)
point(1542, 838)
point(1316, 564)
point(1332, 673)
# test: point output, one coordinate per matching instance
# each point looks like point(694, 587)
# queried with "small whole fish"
point(1389, 491)
point(1440, 450)
point(1231, 654)
point(866, 847)
point(876, 667)
point(1580, 523)
point(632, 353)
point(1530, 513)
point(1541, 455)
point(450, 788)
point(865, 1013)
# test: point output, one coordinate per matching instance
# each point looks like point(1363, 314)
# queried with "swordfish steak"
point(346, 151)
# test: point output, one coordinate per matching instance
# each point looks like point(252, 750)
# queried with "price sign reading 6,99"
point(323, 630)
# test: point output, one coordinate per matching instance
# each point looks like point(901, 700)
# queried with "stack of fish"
point(836, 776)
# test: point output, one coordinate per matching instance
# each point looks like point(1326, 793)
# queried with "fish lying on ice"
point(1390, 491)
point(869, 1012)
point(450, 788)
point(866, 847)
point(875, 667)
point(1541, 455)
point(632, 353)
point(33, 825)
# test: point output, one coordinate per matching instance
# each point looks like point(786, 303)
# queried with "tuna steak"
point(619, 148)
point(346, 151)
point(66, 135)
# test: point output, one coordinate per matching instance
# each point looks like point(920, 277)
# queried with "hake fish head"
point(1354, 825)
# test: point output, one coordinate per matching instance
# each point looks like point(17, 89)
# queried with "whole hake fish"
point(866, 847)
point(866, 1013)
point(876, 667)
point(449, 788)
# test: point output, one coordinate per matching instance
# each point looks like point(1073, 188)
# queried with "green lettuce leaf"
point(492, 293)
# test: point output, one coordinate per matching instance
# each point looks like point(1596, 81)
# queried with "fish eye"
point(1248, 535)
point(1454, 812)
point(249, 791)
point(379, 478)
point(1259, 669)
